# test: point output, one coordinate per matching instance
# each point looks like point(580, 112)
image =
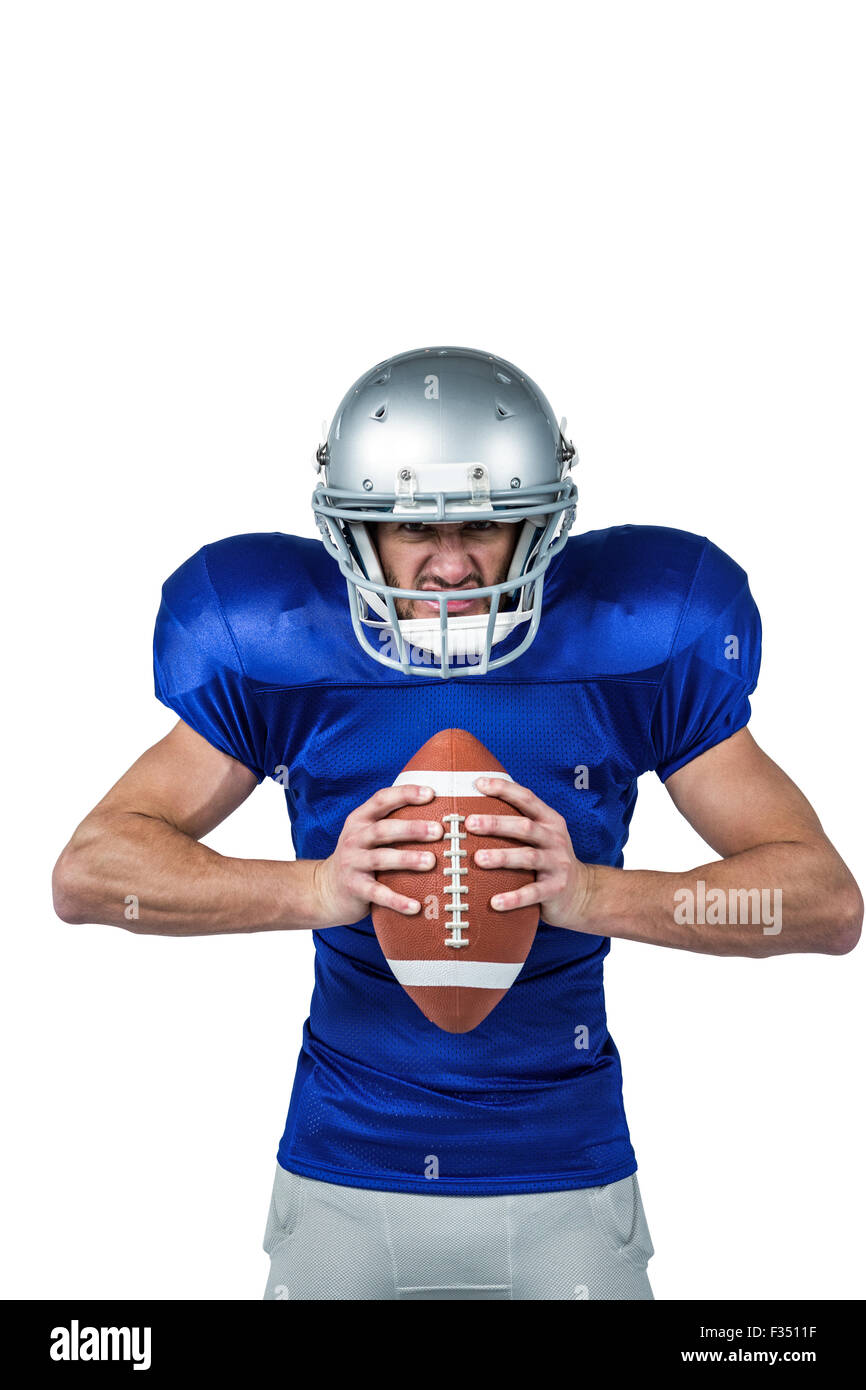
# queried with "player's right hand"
point(346, 883)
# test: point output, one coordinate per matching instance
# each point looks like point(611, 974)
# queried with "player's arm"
point(141, 843)
point(750, 812)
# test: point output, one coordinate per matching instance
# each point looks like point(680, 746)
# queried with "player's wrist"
point(587, 908)
point(324, 909)
point(304, 903)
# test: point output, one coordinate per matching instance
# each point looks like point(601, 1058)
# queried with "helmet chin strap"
point(467, 631)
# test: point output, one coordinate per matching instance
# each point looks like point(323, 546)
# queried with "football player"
point(415, 1163)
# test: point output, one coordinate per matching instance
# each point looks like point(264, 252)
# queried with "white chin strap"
point(467, 633)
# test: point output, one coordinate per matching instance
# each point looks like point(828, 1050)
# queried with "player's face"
point(450, 555)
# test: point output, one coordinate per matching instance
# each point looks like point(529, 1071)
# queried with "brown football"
point(457, 957)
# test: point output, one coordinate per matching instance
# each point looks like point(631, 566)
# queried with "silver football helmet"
point(443, 435)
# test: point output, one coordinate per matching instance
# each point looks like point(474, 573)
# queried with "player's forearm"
point(140, 873)
point(766, 901)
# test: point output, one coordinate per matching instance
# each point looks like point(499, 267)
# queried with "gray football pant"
point(328, 1241)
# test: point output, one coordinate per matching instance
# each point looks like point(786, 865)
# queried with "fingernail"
point(496, 902)
point(472, 822)
point(481, 781)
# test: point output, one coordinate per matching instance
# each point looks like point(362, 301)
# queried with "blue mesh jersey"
point(647, 652)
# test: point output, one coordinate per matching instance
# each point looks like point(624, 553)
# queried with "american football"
point(457, 957)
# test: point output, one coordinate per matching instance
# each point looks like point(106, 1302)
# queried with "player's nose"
point(451, 558)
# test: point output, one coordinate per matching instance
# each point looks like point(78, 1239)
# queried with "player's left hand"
point(562, 882)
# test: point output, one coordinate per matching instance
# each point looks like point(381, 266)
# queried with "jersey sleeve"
point(197, 667)
point(712, 668)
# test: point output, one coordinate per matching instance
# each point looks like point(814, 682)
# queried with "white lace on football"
point(454, 911)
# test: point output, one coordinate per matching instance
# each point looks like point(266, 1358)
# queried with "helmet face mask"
point(443, 436)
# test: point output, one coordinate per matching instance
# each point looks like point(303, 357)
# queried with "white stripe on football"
point(454, 974)
point(448, 781)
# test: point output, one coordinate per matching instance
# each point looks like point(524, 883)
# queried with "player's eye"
point(417, 528)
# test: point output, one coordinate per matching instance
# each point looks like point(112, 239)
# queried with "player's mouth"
point(460, 605)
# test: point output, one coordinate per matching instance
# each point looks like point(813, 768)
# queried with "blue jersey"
point(647, 652)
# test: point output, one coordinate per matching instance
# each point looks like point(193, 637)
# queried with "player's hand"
point(562, 883)
point(346, 884)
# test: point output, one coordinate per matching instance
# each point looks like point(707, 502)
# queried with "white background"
point(216, 217)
